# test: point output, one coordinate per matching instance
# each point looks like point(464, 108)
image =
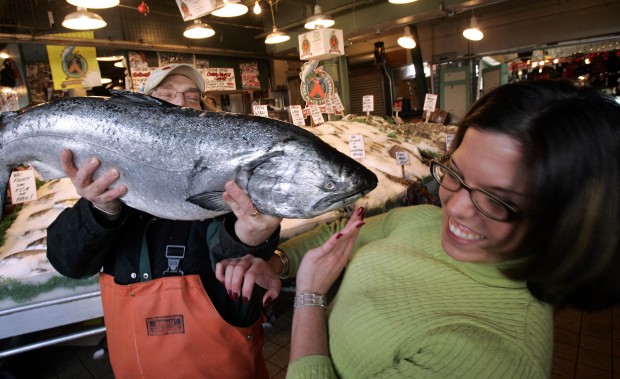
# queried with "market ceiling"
point(35, 21)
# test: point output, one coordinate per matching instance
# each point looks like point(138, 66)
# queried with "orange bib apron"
point(169, 328)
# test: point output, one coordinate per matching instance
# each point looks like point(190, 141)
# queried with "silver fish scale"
point(175, 161)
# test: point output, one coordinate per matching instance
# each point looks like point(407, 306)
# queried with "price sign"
point(338, 107)
point(260, 110)
point(356, 146)
point(402, 158)
point(315, 113)
point(449, 139)
point(430, 101)
point(368, 103)
point(297, 115)
point(23, 187)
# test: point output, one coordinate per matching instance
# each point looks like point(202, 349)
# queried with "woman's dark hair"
point(570, 139)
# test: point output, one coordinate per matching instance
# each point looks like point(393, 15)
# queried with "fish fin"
point(47, 171)
point(136, 99)
point(210, 200)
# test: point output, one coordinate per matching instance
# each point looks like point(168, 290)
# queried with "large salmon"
point(175, 161)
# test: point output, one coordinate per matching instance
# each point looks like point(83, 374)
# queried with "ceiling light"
point(198, 30)
point(473, 33)
point(105, 81)
point(83, 20)
point(4, 55)
point(231, 8)
point(318, 19)
point(119, 64)
point(94, 4)
point(407, 40)
point(111, 58)
point(275, 36)
point(257, 8)
point(402, 1)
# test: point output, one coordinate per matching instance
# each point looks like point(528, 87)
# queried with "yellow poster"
point(74, 66)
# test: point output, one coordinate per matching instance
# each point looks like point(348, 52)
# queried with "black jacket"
point(80, 243)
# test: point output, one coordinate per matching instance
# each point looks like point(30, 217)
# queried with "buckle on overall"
point(174, 253)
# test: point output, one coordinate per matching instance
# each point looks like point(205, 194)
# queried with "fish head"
point(307, 180)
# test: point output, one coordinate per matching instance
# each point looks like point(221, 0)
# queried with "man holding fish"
point(165, 312)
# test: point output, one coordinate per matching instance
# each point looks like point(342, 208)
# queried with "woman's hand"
point(252, 227)
point(239, 275)
point(98, 192)
point(321, 266)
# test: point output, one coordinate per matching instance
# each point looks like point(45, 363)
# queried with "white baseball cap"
point(158, 75)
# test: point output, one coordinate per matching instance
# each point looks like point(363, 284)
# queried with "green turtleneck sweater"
point(405, 309)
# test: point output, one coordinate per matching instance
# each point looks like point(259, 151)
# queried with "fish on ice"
point(175, 161)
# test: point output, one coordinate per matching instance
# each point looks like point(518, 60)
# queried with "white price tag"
point(356, 146)
point(449, 139)
point(22, 186)
point(430, 101)
point(368, 103)
point(297, 115)
point(260, 110)
point(315, 113)
point(402, 158)
point(338, 107)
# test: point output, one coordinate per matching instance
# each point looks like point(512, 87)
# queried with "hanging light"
point(198, 30)
point(407, 40)
point(257, 8)
point(4, 55)
point(83, 20)
point(318, 19)
point(94, 4)
point(231, 8)
point(402, 1)
point(473, 33)
point(275, 36)
point(111, 58)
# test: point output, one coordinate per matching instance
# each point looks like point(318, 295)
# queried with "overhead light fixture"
point(407, 40)
point(106, 81)
point(402, 1)
point(318, 19)
point(111, 58)
point(4, 55)
point(473, 33)
point(119, 64)
point(257, 8)
point(83, 20)
point(198, 30)
point(275, 36)
point(94, 4)
point(231, 8)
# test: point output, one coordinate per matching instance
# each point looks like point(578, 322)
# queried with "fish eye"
point(330, 185)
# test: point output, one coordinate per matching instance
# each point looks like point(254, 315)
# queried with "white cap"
point(158, 75)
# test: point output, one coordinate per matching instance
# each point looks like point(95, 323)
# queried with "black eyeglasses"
point(192, 96)
point(487, 203)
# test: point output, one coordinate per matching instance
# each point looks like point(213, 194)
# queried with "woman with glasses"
point(529, 221)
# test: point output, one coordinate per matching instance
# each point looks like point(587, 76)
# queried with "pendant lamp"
point(318, 19)
point(94, 4)
point(473, 33)
point(275, 36)
point(198, 30)
point(407, 40)
point(83, 20)
point(231, 8)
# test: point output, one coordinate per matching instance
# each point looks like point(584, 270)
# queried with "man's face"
point(179, 90)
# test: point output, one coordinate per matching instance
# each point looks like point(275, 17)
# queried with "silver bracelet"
point(310, 300)
point(113, 213)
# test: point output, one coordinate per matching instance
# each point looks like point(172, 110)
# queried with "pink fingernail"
point(360, 224)
point(338, 235)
